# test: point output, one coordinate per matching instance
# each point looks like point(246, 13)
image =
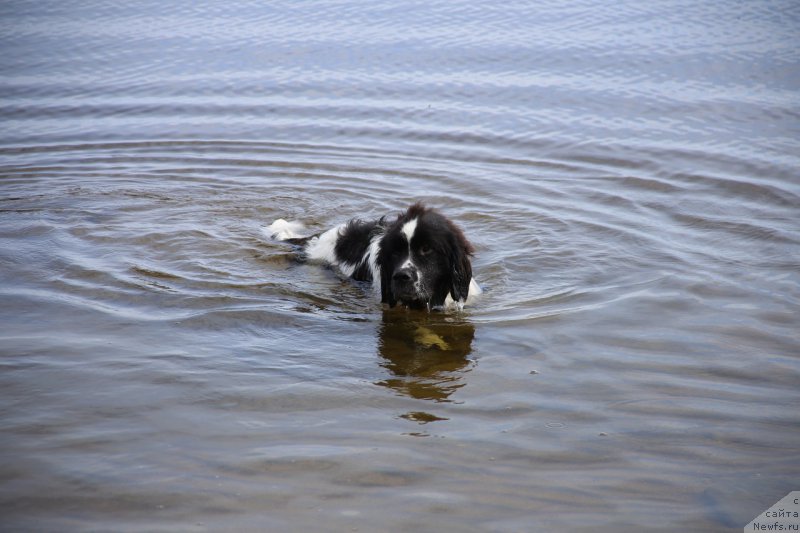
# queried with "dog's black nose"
point(405, 275)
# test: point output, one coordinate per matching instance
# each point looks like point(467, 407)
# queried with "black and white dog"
point(420, 260)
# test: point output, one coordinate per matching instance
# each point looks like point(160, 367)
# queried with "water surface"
point(628, 174)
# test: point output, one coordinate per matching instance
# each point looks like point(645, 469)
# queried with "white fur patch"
point(372, 260)
point(322, 248)
point(283, 229)
point(409, 228)
point(408, 263)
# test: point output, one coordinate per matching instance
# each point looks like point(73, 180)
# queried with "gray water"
point(627, 171)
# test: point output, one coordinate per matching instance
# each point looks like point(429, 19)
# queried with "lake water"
point(629, 173)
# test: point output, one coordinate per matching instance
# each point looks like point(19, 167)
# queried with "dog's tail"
point(287, 231)
point(284, 230)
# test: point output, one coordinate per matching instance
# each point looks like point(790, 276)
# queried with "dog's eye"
point(425, 249)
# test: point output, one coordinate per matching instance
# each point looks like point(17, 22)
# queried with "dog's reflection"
point(426, 353)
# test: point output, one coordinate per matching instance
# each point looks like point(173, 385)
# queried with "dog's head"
point(424, 258)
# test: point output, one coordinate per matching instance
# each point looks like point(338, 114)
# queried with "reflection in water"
point(426, 353)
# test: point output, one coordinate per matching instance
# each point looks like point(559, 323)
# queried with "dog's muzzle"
point(405, 285)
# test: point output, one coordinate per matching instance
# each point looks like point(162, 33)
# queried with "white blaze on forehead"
point(408, 229)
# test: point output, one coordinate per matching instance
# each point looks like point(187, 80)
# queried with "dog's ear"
point(460, 266)
point(461, 273)
point(385, 265)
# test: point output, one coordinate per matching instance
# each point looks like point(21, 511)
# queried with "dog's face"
point(424, 258)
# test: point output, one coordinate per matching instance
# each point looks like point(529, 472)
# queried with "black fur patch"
point(353, 243)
